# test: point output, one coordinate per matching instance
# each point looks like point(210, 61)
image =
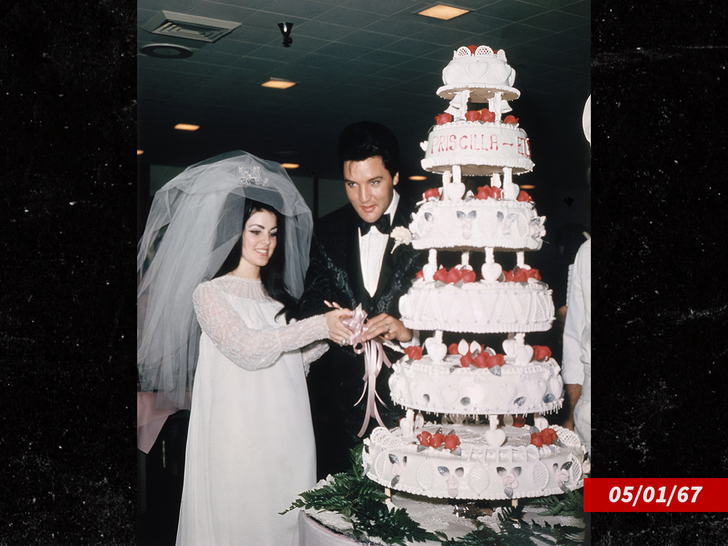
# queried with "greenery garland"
point(361, 502)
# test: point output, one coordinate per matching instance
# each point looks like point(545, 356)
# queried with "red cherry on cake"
point(414, 352)
point(537, 439)
point(483, 193)
point(523, 196)
point(466, 360)
point(453, 349)
point(468, 275)
point(534, 274)
point(510, 119)
point(451, 441)
point(472, 49)
point(520, 276)
point(441, 119)
point(496, 360)
point(487, 115)
point(518, 422)
point(453, 275)
point(472, 115)
point(420, 275)
point(496, 193)
point(432, 192)
point(440, 275)
point(437, 439)
point(481, 361)
point(425, 438)
point(541, 352)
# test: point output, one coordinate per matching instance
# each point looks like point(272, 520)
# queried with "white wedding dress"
point(250, 446)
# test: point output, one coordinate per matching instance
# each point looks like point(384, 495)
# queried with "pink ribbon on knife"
point(374, 357)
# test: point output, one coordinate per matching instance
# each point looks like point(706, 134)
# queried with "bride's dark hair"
point(272, 274)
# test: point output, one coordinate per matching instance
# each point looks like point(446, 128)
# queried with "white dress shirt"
point(371, 250)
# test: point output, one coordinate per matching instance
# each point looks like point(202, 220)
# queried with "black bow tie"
point(383, 225)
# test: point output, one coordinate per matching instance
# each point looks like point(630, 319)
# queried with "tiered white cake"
point(497, 457)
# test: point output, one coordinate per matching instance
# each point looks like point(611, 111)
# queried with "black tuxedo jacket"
point(335, 382)
point(334, 271)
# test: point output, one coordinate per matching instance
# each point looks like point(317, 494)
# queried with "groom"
point(352, 262)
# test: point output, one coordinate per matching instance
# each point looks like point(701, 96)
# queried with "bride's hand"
point(338, 333)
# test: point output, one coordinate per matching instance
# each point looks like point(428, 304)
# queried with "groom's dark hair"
point(367, 139)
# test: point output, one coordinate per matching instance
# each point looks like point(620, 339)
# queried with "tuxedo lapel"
point(389, 271)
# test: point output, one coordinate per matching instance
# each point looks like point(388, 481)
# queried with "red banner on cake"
point(655, 495)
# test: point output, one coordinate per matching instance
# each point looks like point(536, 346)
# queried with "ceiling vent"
point(189, 27)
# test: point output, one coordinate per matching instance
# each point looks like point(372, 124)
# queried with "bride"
point(226, 249)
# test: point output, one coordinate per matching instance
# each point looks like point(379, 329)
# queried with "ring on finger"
point(387, 327)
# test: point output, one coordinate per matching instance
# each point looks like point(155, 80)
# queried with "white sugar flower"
point(401, 235)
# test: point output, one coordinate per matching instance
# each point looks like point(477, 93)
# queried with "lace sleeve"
point(313, 352)
point(247, 347)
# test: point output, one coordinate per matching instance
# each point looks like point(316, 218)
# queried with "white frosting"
point(483, 72)
point(515, 470)
point(478, 307)
point(447, 388)
point(481, 148)
point(491, 462)
point(478, 223)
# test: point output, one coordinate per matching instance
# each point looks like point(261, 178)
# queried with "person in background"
point(568, 240)
point(352, 263)
point(576, 365)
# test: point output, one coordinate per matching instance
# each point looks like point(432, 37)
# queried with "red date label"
point(649, 494)
point(655, 495)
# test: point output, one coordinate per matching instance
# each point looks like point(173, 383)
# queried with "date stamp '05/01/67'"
point(650, 494)
point(655, 495)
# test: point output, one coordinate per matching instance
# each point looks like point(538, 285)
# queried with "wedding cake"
point(481, 446)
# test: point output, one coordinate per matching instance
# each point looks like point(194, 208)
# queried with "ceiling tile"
point(349, 17)
point(553, 4)
point(582, 9)
point(474, 22)
point(305, 9)
point(555, 21)
point(443, 36)
point(343, 51)
point(403, 25)
point(510, 10)
point(384, 58)
point(381, 7)
point(319, 60)
point(321, 30)
point(366, 38)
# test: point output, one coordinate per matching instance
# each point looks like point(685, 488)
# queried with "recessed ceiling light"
point(418, 177)
point(140, 152)
point(166, 51)
point(186, 127)
point(527, 187)
point(443, 12)
point(278, 83)
point(290, 165)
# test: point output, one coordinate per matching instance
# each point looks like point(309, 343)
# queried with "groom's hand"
point(388, 327)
